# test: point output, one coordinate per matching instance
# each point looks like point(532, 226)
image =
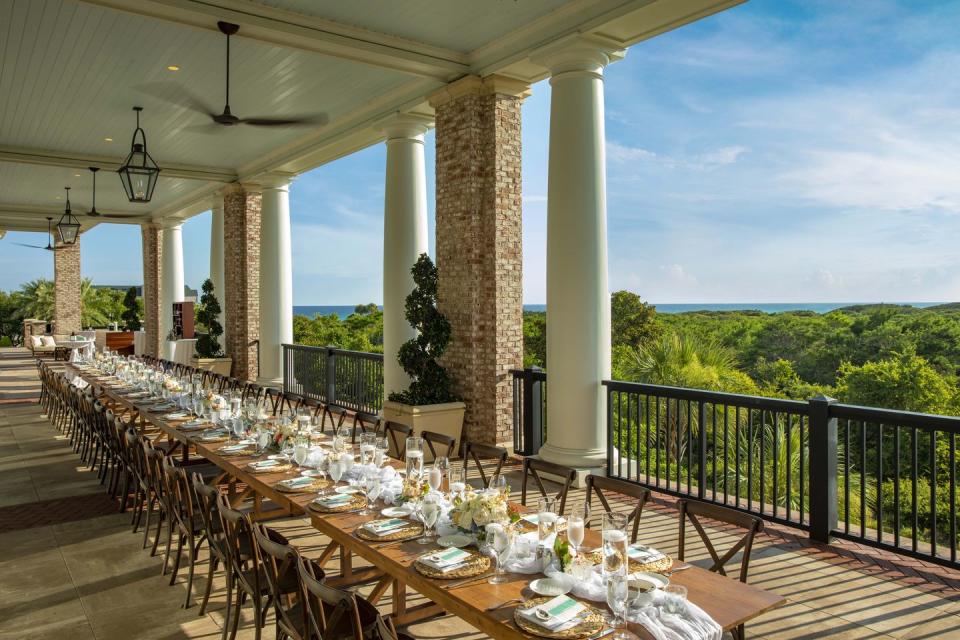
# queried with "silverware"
point(673, 571)
point(603, 633)
point(503, 604)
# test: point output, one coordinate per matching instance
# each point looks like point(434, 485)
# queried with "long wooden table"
point(727, 601)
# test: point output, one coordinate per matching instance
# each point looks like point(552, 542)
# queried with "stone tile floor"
point(70, 565)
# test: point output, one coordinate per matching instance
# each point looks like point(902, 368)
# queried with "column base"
point(276, 383)
point(585, 461)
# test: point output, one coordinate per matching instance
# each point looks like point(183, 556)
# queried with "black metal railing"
point(880, 477)
point(529, 410)
point(350, 379)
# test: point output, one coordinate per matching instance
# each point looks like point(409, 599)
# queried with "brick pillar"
point(478, 245)
point(241, 275)
point(66, 285)
point(152, 249)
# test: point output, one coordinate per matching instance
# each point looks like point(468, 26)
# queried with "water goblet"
point(435, 477)
point(546, 518)
point(458, 481)
point(301, 449)
point(497, 542)
point(499, 484)
point(617, 587)
point(429, 512)
point(675, 599)
point(442, 463)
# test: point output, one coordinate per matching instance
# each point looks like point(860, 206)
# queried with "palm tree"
point(99, 307)
point(35, 299)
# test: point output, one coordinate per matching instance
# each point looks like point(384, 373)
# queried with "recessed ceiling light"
point(76, 175)
point(108, 139)
point(59, 197)
point(173, 67)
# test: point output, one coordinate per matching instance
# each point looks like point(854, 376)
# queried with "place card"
point(445, 560)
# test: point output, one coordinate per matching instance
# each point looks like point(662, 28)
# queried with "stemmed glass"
point(617, 587)
point(429, 513)
point(301, 449)
point(497, 542)
point(614, 545)
point(458, 481)
point(499, 483)
point(336, 469)
point(435, 477)
point(443, 464)
point(576, 524)
point(368, 448)
point(370, 483)
point(383, 446)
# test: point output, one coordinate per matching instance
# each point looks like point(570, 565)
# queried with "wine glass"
point(617, 586)
point(499, 483)
point(336, 468)
point(614, 544)
point(442, 463)
point(458, 481)
point(576, 524)
point(429, 512)
point(435, 477)
point(383, 446)
point(370, 484)
point(546, 517)
point(497, 541)
point(301, 449)
point(264, 436)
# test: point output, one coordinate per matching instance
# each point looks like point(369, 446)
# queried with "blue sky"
point(781, 151)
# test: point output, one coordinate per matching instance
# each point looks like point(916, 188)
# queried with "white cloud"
point(722, 156)
point(617, 152)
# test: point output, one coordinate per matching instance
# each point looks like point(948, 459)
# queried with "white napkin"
point(315, 458)
point(80, 383)
point(694, 624)
point(445, 560)
point(179, 415)
point(380, 527)
point(563, 612)
point(265, 464)
point(334, 500)
point(293, 483)
point(643, 554)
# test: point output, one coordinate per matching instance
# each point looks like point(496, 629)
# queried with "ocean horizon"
point(342, 311)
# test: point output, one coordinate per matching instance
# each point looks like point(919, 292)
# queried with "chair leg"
point(176, 558)
point(156, 538)
point(149, 499)
point(212, 564)
point(238, 604)
point(166, 555)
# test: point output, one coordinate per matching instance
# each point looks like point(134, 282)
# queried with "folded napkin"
point(335, 500)
point(265, 464)
point(693, 624)
point(380, 527)
point(563, 613)
point(446, 560)
point(213, 433)
point(193, 425)
point(534, 519)
point(179, 415)
point(644, 554)
point(293, 483)
point(240, 446)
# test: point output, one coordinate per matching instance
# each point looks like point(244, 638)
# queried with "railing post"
point(286, 371)
point(823, 469)
point(331, 376)
point(702, 457)
point(532, 403)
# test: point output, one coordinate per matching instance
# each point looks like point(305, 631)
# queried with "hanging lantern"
point(139, 172)
point(69, 226)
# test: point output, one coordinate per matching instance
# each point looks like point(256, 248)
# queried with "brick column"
point(66, 286)
point(152, 249)
point(241, 275)
point(479, 245)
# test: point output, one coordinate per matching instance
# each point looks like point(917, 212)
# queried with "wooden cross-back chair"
point(397, 435)
point(207, 506)
point(279, 560)
point(244, 567)
point(533, 467)
point(189, 527)
point(694, 510)
point(438, 444)
point(335, 415)
point(288, 404)
point(272, 399)
point(478, 452)
point(366, 423)
point(598, 485)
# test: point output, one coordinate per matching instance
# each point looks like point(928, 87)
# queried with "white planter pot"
point(446, 418)
point(216, 365)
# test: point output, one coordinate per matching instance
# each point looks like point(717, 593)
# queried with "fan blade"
point(32, 246)
point(175, 94)
point(289, 121)
point(204, 129)
point(121, 217)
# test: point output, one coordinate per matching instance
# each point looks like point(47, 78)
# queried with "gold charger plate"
point(356, 503)
point(412, 531)
point(477, 564)
point(213, 439)
point(660, 565)
point(318, 484)
point(279, 468)
point(591, 622)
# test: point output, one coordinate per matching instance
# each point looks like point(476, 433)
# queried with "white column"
point(216, 251)
point(276, 278)
point(171, 285)
point(404, 235)
point(578, 299)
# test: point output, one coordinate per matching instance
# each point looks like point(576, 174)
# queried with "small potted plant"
point(209, 354)
point(429, 403)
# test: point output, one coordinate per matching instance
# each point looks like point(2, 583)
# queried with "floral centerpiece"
point(214, 401)
point(477, 509)
point(413, 489)
point(282, 434)
point(172, 385)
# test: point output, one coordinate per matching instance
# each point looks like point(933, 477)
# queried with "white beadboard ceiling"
point(71, 70)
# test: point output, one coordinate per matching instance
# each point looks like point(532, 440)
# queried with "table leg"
point(385, 582)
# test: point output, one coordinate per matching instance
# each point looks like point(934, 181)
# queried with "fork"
point(503, 604)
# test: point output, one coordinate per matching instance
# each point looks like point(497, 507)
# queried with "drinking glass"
point(414, 457)
point(675, 599)
point(617, 587)
point(575, 526)
point(264, 436)
point(301, 449)
point(303, 420)
point(458, 481)
point(547, 517)
point(383, 446)
point(368, 448)
point(370, 485)
point(237, 427)
point(614, 545)
point(429, 512)
point(499, 483)
point(497, 541)
point(442, 463)
point(336, 468)
point(435, 477)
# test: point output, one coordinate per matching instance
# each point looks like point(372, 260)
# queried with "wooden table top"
point(726, 600)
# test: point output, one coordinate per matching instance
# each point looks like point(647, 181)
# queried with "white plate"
point(549, 587)
point(395, 512)
point(656, 578)
point(457, 540)
point(348, 489)
point(278, 456)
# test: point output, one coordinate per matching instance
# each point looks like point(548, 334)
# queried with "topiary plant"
point(429, 382)
point(131, 315)
point(208, 315)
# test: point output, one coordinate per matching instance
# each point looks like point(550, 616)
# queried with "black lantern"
point(69, 226)
point(139, 172)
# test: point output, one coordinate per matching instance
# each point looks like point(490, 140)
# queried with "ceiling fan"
point(227, 118)
point(49, 246)
point(93, 213)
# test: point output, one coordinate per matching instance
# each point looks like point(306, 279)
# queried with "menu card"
point(446, 560)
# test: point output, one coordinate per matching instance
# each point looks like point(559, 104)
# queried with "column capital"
point(579, 53)
point(241, 187)
point(399, 125)
point(475, 85)
point(169, 223)
point(275, 180)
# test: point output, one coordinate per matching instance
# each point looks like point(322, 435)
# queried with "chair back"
point(289, 403)
point(279, 560)
point(179, 495)
point(272, 400)
point(598, 485)
point(366, 423)
point(333, 414)
point(238, 537)
point(207, 505)
point(397, 435)
point(438, 444)
point(478, 452)
point(533, 467)
point(693, 510)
